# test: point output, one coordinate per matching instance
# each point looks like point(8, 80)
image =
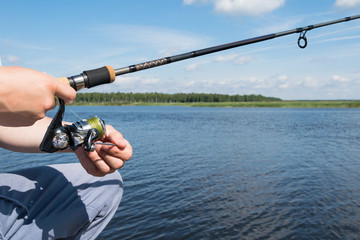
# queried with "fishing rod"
point(86, 132)
point(107, 74)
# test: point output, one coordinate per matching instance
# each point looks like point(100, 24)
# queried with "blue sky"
point(64, 38)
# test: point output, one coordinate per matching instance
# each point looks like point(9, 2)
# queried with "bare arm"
point(26, 95)
point(105, 159)
point(24, 139)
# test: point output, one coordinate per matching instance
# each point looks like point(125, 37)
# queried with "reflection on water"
point(230, 173)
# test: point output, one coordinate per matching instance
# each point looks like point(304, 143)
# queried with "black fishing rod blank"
point(107, 74)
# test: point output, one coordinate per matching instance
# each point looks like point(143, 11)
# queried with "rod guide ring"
point(302, 41)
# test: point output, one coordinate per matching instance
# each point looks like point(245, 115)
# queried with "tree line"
point(124, 98)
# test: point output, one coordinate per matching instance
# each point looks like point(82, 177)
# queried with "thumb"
point(64, 91)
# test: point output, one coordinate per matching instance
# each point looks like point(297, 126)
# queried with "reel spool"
point(81, 133)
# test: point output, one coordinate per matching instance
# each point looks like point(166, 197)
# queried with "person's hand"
point(106, 158)
point(26, 95)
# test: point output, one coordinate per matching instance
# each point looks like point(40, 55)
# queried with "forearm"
point(24, 139)
point(105, 159)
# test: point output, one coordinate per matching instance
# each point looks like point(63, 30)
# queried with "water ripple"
point(224, 173)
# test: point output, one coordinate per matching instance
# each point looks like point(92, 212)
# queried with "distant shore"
point(271, 104)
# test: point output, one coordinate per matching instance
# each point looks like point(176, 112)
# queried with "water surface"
point(231, 173)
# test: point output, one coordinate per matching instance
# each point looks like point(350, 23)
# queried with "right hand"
point(106, 159)
point(26, 95)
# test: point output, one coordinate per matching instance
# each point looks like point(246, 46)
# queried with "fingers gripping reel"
point(81, 133)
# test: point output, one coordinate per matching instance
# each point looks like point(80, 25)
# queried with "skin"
point(106, 159)
point(26, 95)
point(23, 123)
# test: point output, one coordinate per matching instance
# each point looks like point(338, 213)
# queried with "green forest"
point(129, 98)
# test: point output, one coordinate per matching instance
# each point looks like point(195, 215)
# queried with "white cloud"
point(235, 58)
point(311, 82)
point(283, 82)
point(190, 84)
point(258, 82)
point(341, 79)
point(12, 59)
point(284, 86)
point(22, 45)
point(347, 3)
point(192, 67)
point(189, 2)
point(243, 59)
point(282, 77)
point(163, 40)
point(340, 39)
point(244, 7)
point(225, 58)
point(131, 81)
point(9, 59)
point(270, 82)
point(130, 84)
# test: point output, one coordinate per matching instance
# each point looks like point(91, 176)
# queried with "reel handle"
point(90, 78)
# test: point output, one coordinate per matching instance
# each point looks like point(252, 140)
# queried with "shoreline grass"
point(271, 104)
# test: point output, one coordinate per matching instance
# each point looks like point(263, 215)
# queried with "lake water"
point(231, 173)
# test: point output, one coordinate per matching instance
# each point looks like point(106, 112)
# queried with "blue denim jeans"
point(57, 201)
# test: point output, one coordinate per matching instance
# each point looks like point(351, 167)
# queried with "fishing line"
point(76, 115)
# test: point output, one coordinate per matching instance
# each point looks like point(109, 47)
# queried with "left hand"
point(106, 159)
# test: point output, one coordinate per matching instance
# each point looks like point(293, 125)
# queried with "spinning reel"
point(82, 133)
